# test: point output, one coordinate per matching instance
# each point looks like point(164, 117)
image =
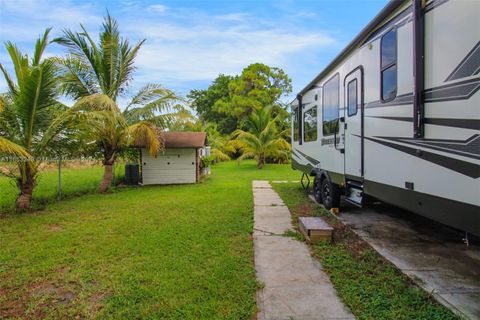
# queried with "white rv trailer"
point(396, 115)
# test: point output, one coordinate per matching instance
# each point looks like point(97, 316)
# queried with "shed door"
point(169, 167)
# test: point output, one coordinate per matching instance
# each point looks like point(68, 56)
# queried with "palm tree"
point(221, 146)
point(95, 75)
point(27, 114)
point(262, 139)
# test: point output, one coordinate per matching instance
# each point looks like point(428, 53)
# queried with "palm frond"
point(218, 155)
point(77, 79)
point(148, 102)
point(11, 85)
point(143, 134)
point(96, 102)
point(10, 148)
point(40, 46)
point(38, 92)
point(19, 60)
point(82, 47)
point(3, 104)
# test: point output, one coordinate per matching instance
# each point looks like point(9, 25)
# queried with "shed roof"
point(184, 139)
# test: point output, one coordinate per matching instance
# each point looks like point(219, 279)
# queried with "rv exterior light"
point(370, 46)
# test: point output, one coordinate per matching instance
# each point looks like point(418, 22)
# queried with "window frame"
point(296, 120)
point(348, 97)
point(392, 64)
point(323, 102)
point(316, 123)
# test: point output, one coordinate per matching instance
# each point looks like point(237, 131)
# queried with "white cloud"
point(27, 21)
point(240, 16)
point(160, 8)
point(185, 47)
point(200, 52)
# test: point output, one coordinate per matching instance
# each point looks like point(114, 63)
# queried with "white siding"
point(170, 166)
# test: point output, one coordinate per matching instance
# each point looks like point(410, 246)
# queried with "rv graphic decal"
point(469, 66)
point(473, 124)
point(455, 91)
point(434, 70)
point(469, 169)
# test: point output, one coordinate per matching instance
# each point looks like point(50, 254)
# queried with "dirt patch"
point(54, 227)
point(35, 300)
point(303, 210)
point(95, 301)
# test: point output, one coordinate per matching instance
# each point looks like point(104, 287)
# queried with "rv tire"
point(330, 194)
point(317, 189)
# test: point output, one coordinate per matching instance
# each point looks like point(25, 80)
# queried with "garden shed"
point(178, 163)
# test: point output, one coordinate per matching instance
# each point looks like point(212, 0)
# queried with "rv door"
point(353, 127)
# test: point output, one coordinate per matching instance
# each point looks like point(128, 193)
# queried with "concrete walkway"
point(294, 285)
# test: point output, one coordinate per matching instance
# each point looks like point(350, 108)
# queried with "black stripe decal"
point(469, 66)
point(394, 22)
point(310, 159)
point(469, 148)
point(455, 91)
point(296, 155)
point(469, 169)
point(433, 4)
point(445, 122)
point(378, 33)
point(406, 119)
point(456, 123)
point(306, 168)
point(403, 99)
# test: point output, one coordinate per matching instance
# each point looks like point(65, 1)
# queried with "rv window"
point(310, 124)
point(295, 123)
point(330, 106)
point(352, 98)
point(388, 65)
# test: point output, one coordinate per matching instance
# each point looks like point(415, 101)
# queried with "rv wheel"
point(330, 194)
point(317, 189)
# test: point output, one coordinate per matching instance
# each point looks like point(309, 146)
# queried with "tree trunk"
point(24, 200)
point(107, 177)
point(261, 160)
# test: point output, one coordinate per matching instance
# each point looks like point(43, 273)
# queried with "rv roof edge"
point(382, 15)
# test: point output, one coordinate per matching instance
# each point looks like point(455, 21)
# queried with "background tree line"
point(242, 114)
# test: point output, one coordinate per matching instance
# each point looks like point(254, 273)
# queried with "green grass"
point(74, 182)
point(369, 285)
point(164, 252)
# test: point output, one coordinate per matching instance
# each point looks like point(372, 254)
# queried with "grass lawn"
point(166, 252)
point(369, 285)
point(73, 181)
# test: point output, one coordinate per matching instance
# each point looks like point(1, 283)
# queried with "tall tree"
point(258, 86)
point(96, 75)
point(27, 115)
point(203, 101)
point(263, 139)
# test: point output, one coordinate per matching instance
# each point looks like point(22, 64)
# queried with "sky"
point(189, 42)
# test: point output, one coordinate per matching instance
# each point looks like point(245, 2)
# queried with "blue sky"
point(190, 42)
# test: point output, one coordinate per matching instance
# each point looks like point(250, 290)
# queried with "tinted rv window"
point(388, 65)
point(352, 97)
point(295, 123)
point(330, 105)
point(310, 124)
